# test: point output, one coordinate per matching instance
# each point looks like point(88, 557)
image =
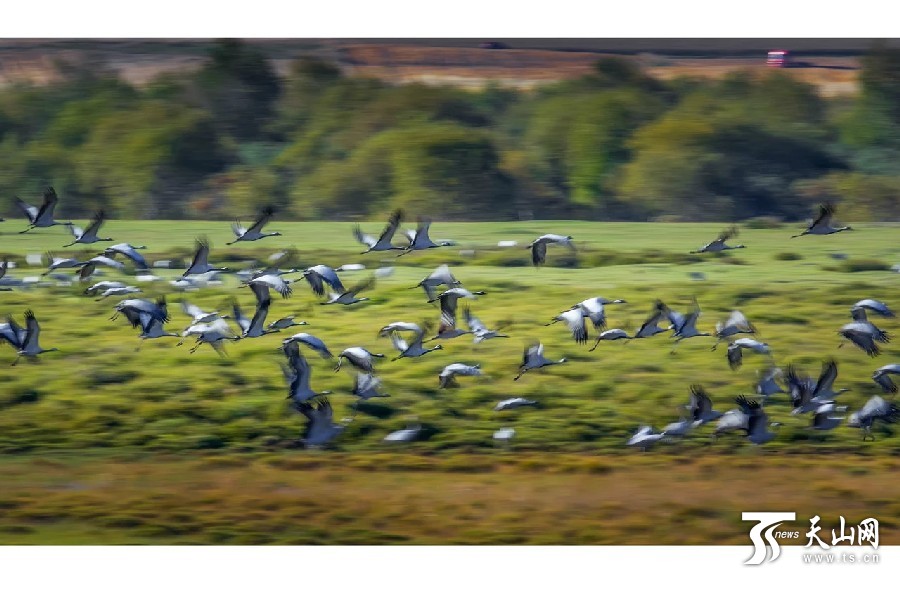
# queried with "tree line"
point(614, 145)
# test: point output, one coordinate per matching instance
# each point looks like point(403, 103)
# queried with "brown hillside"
point(474, 67)
point(402, 63)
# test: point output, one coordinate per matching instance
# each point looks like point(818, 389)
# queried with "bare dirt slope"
point(474, 67)
point(523, 67)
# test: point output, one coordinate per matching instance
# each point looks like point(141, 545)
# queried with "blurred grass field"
point(151, 425)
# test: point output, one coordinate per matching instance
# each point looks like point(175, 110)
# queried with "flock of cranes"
point(411, 340)
point(807, 394)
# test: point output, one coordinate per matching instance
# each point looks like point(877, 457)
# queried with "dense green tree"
point(577, 143)
point(870, 127)
point(439, 169)
point(720, 173)
point(615, 143)
point(323, 137)
point(148, 159)
point(880, 80)
point(861, 196)
point(239, 88)
point(307, 80)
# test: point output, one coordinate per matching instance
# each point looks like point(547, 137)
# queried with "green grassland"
point(213, 439)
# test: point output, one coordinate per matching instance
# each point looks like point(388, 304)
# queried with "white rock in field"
point(34, 259)
point(507, 244)
point(504, 434)
point(148, 278)
point(30, 280)
point(384, 271)
point(467, 253)
point(349, 267)
point(162, 264)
